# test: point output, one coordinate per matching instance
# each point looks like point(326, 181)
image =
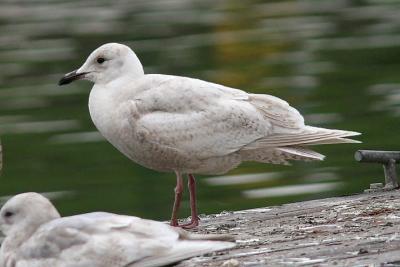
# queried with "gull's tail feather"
point(307, 136)
point(281, 155)
point(183, 250)
point(332, 141)
point(301, 153)
point(213, 237)
point(283, 147)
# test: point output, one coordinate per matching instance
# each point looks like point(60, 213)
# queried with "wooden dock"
point(359, 230)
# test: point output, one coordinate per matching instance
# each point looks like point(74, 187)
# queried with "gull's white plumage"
point(95, 239)
point(172, 123)
point(184, 125)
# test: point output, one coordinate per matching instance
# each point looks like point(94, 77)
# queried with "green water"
point(337, 62)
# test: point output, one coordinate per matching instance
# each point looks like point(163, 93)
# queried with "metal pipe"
point(388, 159)
point(377, 156)
point(390, 174)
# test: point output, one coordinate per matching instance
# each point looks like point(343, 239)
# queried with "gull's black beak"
point(70, 77)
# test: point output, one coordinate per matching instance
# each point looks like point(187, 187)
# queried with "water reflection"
point(81, 137)
point(242, 179)
point(290, 190)
point(336, 61)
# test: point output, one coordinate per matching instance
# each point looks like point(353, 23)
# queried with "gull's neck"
point(13, 242)
point(133, 67)
point(131, 70)
point(22, 232)
point(18, 236)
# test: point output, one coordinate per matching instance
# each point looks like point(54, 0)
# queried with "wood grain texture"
point(344, 231)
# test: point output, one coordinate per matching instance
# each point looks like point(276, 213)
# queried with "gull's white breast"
point(112, 112)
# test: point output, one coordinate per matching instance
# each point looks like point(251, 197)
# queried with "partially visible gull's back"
point(37, 236)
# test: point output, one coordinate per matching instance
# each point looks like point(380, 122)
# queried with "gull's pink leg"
point(193, 207)
point(178, 198)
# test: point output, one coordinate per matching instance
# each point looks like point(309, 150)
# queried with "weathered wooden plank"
point(356, 230)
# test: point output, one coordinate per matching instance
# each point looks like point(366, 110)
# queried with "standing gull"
point(36, 236)
point(184, 125)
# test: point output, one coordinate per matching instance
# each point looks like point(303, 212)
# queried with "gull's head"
point(105, 64)
point(26, 211)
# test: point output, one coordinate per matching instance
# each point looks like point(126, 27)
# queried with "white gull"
point(36, 236)
point(184, 125)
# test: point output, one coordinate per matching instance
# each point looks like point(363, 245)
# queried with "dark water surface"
point(337, 62)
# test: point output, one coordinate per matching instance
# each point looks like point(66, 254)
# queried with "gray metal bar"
point(377, 156)
point(388, 159)
point(390, 174)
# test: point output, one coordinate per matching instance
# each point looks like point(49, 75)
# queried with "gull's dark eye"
point(100, 60)
point(8, 214)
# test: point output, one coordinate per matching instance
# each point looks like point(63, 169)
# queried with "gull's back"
point(104, 239)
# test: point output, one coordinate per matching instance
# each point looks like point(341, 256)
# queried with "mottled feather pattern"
point(277, 111)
